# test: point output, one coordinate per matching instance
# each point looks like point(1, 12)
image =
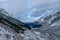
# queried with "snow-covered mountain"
point(47, 28)
point(48, 20)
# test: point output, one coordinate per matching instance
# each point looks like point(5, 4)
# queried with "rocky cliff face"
point(6, 33)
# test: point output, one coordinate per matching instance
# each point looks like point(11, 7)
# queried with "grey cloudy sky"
point(29, 10)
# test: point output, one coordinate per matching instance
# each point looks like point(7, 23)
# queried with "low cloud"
point(21, 9)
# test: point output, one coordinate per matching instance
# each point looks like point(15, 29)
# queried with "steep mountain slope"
point(48, 20)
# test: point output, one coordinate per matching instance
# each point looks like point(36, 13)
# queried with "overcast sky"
point(29, 10)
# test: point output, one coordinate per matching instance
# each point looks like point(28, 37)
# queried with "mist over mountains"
point(45, 28)
point(41, 16)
